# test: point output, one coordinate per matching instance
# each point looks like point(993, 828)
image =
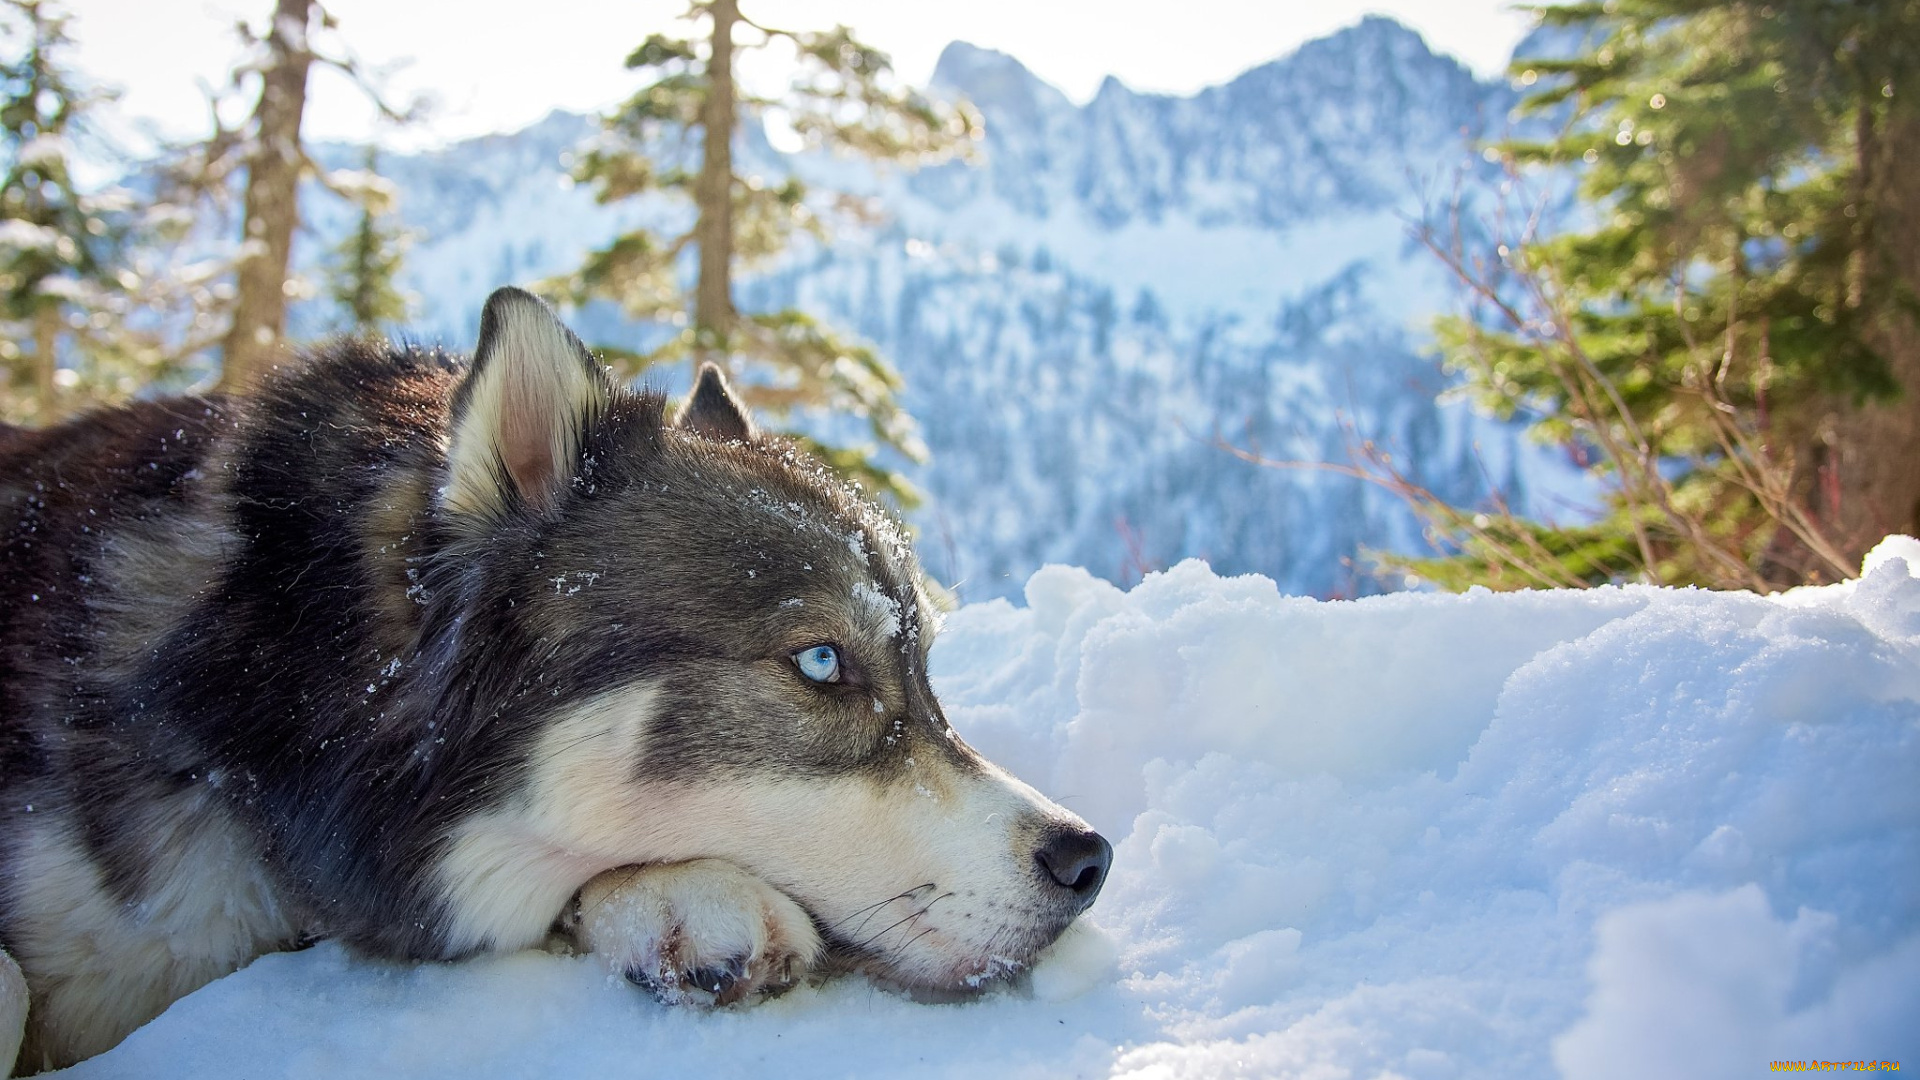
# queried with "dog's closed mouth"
point(996, 975)
point(1007, 968)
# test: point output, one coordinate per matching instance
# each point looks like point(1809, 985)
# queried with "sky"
point(489, 66)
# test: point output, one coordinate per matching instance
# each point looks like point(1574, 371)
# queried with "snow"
point(1626, 832)
point(879, 609)
point(22, 235)
point(43, 150)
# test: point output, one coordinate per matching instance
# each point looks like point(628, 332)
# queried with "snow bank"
point(1635, 831)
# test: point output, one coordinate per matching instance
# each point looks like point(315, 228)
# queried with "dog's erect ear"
point(519, 417)
point(713, 411)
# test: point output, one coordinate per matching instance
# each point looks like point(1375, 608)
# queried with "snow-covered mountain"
point(1105, 293)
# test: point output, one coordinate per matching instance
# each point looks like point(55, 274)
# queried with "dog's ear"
point(713, 411)
point(520, 416)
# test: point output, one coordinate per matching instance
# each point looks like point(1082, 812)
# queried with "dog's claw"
point(649, 981)
point(716, 980)
point(712, 984)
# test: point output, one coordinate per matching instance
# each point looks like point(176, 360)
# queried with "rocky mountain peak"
point(1334, 124)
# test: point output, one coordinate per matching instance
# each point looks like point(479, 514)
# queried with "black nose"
point(1075, 859)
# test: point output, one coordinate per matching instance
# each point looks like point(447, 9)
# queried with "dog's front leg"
point(701, 932)
point(13, 1012)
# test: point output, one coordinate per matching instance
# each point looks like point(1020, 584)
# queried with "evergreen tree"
point(1733, 341)
point(67, 281)
point(366, 263)
point(274, 163)
point(268, 149)
point(843, 98)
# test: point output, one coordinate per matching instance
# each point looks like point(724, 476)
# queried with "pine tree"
point(842, 98)
point(1733, 340)
point(68, 283)
point(274, 166)
point(269, 151)
point(366, 264)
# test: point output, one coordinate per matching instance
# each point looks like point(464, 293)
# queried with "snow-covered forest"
point(1078, 315)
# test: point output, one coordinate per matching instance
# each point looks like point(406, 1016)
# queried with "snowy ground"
point(1625, 833)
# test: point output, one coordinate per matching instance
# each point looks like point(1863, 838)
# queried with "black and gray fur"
point(287, 656)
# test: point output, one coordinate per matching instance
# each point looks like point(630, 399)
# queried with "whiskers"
point(880, 939)
point(903, 912)
point(985, 943)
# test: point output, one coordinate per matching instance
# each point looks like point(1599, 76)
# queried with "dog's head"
point(726, 650)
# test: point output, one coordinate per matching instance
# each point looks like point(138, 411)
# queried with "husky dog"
point(437, 659)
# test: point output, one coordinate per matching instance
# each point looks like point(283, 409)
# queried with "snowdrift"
point(1627, 832)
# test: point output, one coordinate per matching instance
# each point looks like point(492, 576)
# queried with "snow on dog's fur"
point(437, 660)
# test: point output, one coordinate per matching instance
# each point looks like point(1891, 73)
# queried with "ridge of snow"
point(1656, 832)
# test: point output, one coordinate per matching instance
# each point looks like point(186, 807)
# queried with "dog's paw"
point(702, 932)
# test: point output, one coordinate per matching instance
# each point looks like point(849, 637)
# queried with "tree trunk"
point(1878, 448)
point(272, 207)
point(713, 313)
point(46, 363)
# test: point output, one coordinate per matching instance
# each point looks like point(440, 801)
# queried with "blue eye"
point(820, 663)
